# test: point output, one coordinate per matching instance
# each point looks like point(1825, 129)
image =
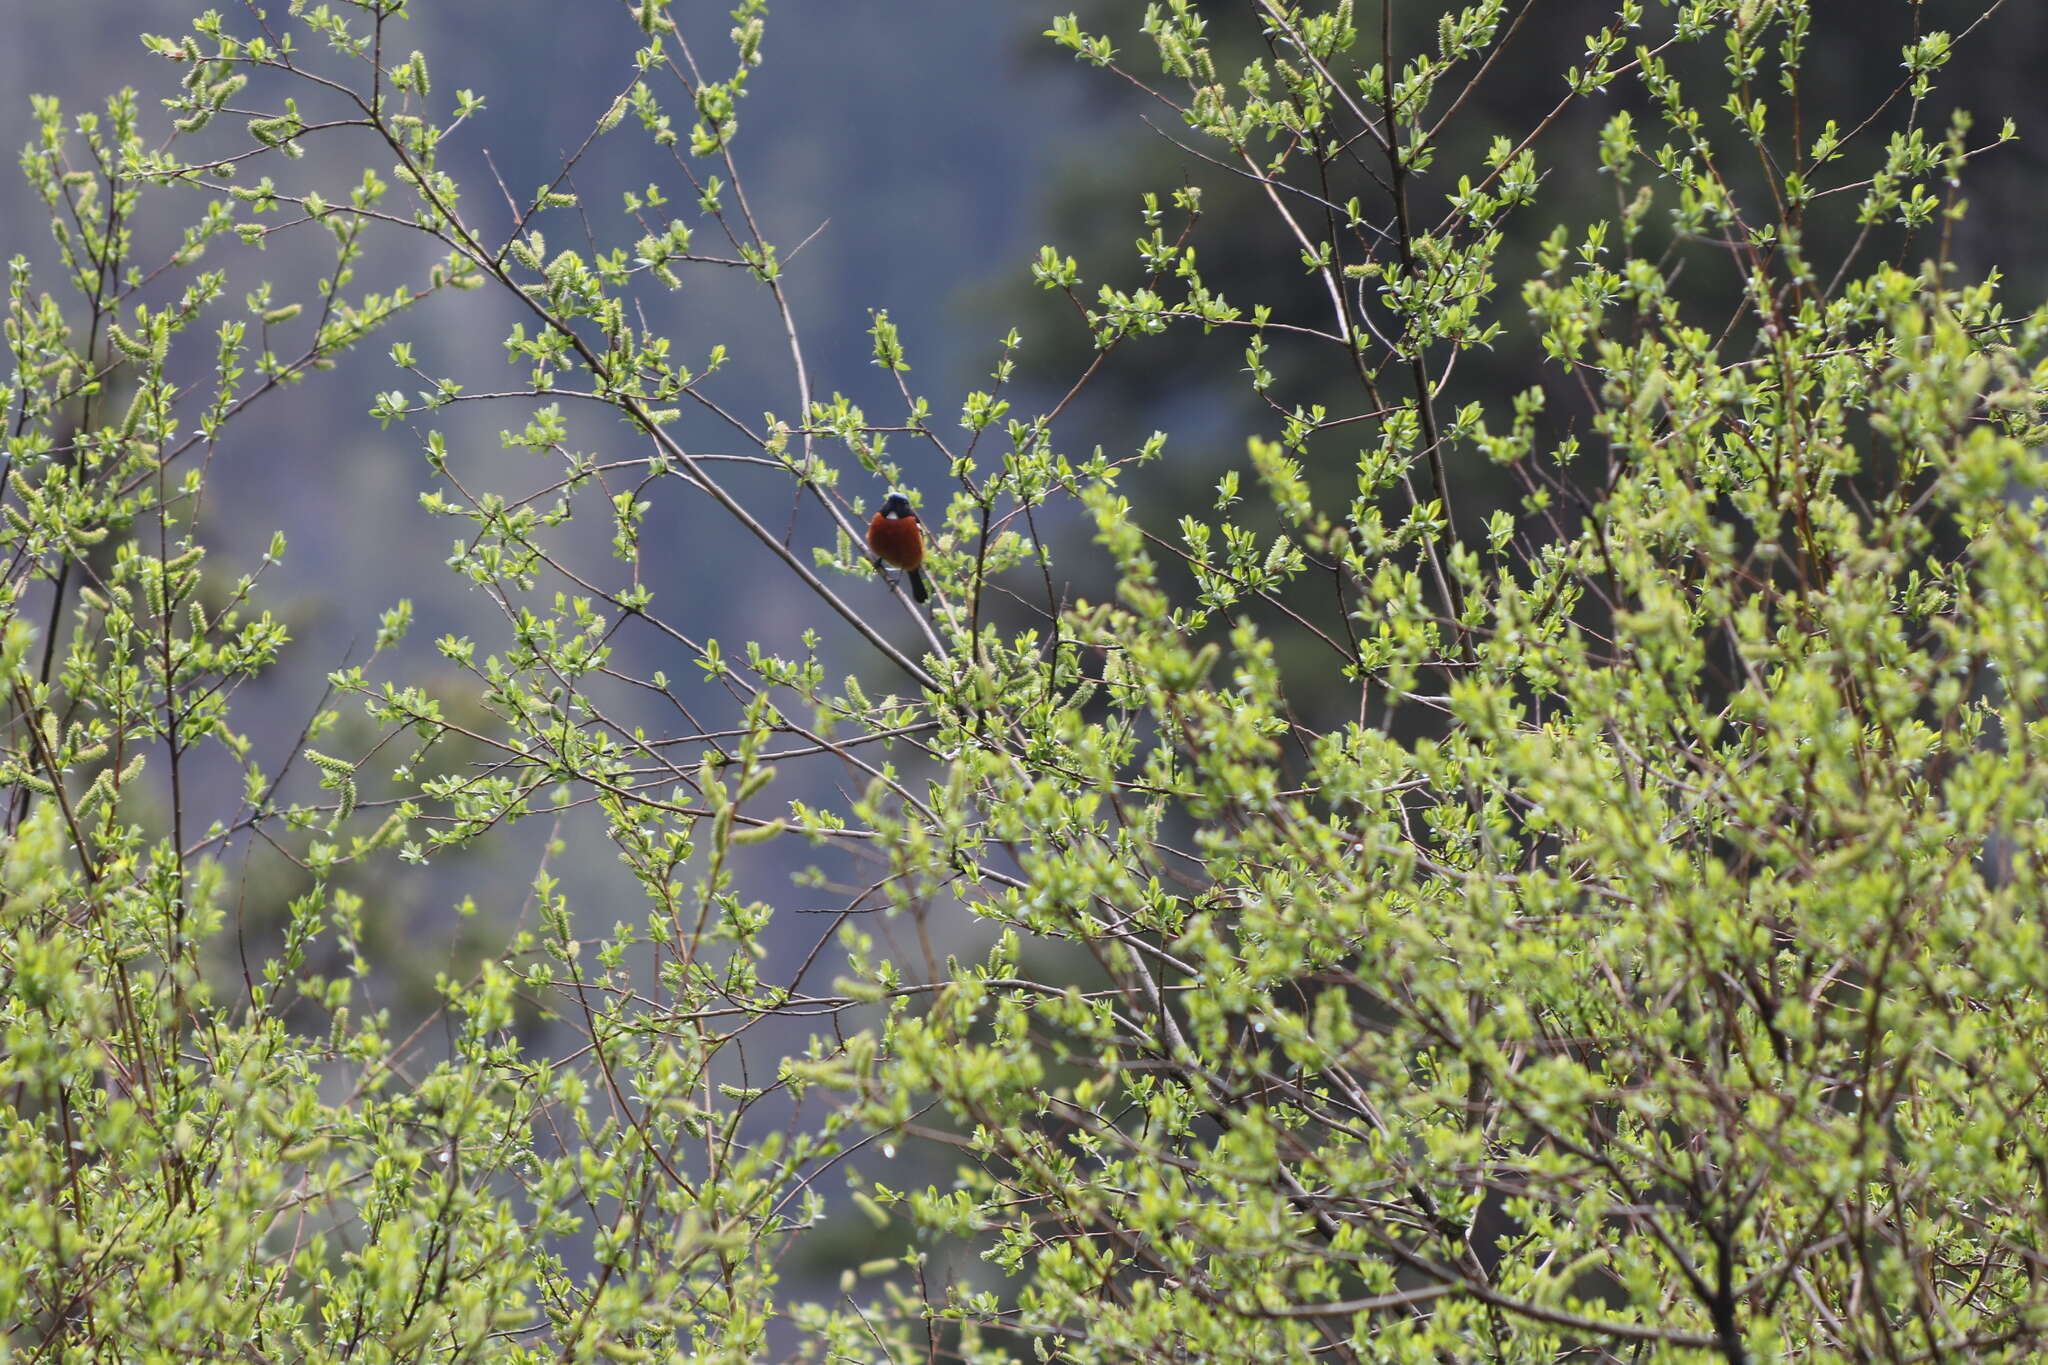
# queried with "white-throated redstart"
point(898, 541)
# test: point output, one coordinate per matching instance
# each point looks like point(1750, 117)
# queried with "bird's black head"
point(896, 506)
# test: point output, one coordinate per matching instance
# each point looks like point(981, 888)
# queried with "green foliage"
point(1608, 928)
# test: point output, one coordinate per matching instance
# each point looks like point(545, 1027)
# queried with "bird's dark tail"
point(917, 587)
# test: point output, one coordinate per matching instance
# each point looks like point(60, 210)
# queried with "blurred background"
point(921, 151)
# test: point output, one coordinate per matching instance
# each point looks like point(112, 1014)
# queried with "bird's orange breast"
point(896, 541)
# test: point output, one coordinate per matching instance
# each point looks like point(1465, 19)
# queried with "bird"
point(898, 541)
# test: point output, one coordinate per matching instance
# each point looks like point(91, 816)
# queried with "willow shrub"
point(1649, 963)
